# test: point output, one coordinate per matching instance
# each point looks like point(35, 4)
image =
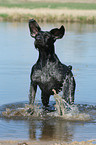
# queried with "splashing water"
point(27, 111)
point(68, 112)
point(62, 109)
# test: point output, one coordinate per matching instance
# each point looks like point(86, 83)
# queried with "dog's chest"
point(49, 73)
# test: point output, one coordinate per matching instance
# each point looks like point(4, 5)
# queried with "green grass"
point(4, 15)
point(32, 5)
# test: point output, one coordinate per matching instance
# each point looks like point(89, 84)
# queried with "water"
point(17, 55)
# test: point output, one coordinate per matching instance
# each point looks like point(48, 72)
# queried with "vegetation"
point(51, 11)
point(57, 5)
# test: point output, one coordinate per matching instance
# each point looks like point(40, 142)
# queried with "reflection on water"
point(17, 55)
point(46, 126)
point(50, 129)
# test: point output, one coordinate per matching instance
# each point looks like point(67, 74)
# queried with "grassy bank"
point(47, 11)
point(51, 5)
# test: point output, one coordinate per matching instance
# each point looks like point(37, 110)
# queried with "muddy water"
point(17, 55)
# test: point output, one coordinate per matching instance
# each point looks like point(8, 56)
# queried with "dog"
point(49, 73)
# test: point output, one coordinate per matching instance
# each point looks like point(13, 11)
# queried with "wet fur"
point(48, 72)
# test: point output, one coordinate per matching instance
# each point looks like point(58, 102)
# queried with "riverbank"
point(55, 11)
point(44, 143)
point(47, 15)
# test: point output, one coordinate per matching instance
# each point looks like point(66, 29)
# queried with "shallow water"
point(17, 55)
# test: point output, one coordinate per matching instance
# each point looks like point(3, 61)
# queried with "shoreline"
point(47, 15)
point(25, 142)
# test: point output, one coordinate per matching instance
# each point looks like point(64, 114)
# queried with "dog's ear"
point(58, 33)
point(34, 27)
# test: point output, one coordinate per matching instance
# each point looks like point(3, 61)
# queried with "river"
point(17, 55)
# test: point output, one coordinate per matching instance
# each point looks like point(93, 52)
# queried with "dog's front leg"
point(32, 94)
point(45, 99)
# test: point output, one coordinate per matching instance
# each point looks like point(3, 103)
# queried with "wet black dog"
point(48, 72)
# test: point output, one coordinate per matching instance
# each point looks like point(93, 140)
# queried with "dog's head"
point(44, 39)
